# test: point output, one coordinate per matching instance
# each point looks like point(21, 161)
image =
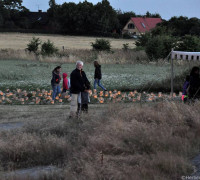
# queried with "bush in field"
point(142, 40)
point(189, 43)
point(48, 48)
point(34, 45)
point(126, 47)
point(159, 47)
point(101, 45)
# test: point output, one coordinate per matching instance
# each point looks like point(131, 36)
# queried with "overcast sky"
point(166, 8)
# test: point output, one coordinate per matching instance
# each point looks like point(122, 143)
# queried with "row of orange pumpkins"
point(20, 96)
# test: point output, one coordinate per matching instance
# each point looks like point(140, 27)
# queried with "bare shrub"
point(27, 150)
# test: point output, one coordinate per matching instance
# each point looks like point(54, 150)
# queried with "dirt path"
point(22, 114)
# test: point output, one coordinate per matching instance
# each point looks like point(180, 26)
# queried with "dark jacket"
point(79, 82)
point(194, 87)
point(56, 78)
point(185, 87)
point(97, 73)
point(85, 81)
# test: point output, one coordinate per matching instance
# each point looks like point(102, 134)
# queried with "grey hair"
point(79, 62)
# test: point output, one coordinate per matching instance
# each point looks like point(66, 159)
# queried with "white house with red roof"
point(140, 25)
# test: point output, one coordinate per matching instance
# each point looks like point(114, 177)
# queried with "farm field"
point(120, 141)
point(19, 41)
point(31, 75)
point(117, 139)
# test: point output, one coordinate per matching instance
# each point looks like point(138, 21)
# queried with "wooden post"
point(172, 75)
point(101, 153)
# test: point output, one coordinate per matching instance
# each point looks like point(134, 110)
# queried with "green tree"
point(52, 3)
point(85, 20)
point(11, 12)
point(156, 15)
point(101, 45)
point(159, 47)
point(12, 4)
point(48, 48)
point(33, 45)
point(106, 17)
point(189, 43)
point(1, 20)
point(181, 26)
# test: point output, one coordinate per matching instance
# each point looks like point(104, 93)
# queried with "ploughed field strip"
point(44, 97)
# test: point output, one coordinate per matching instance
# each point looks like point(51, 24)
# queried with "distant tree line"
point(86, 18)
point(83, 18)
point(13, 14)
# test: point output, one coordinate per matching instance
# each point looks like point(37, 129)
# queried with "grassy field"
point(121, 141)
point(140, 141)
point(19, 41)
point(32, 75)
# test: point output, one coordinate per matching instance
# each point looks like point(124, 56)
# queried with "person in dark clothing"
point(185, 88)
point(79, 81)
point(84, 95)
point(55, 82)
point(194, 87)
point(97, 76)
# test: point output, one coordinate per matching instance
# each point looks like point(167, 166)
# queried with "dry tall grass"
point(88, 56)
point(123, 141)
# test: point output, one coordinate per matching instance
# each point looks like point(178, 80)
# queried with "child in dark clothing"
point(185, 88)
point(55, 82)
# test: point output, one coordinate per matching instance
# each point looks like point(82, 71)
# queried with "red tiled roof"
point(145, 24)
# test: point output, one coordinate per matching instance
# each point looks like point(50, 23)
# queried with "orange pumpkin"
point(95, 96)
point(106, 94)
point(57, 98)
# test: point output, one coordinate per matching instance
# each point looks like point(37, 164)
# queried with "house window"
point(131, 26)
point(143, 25)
